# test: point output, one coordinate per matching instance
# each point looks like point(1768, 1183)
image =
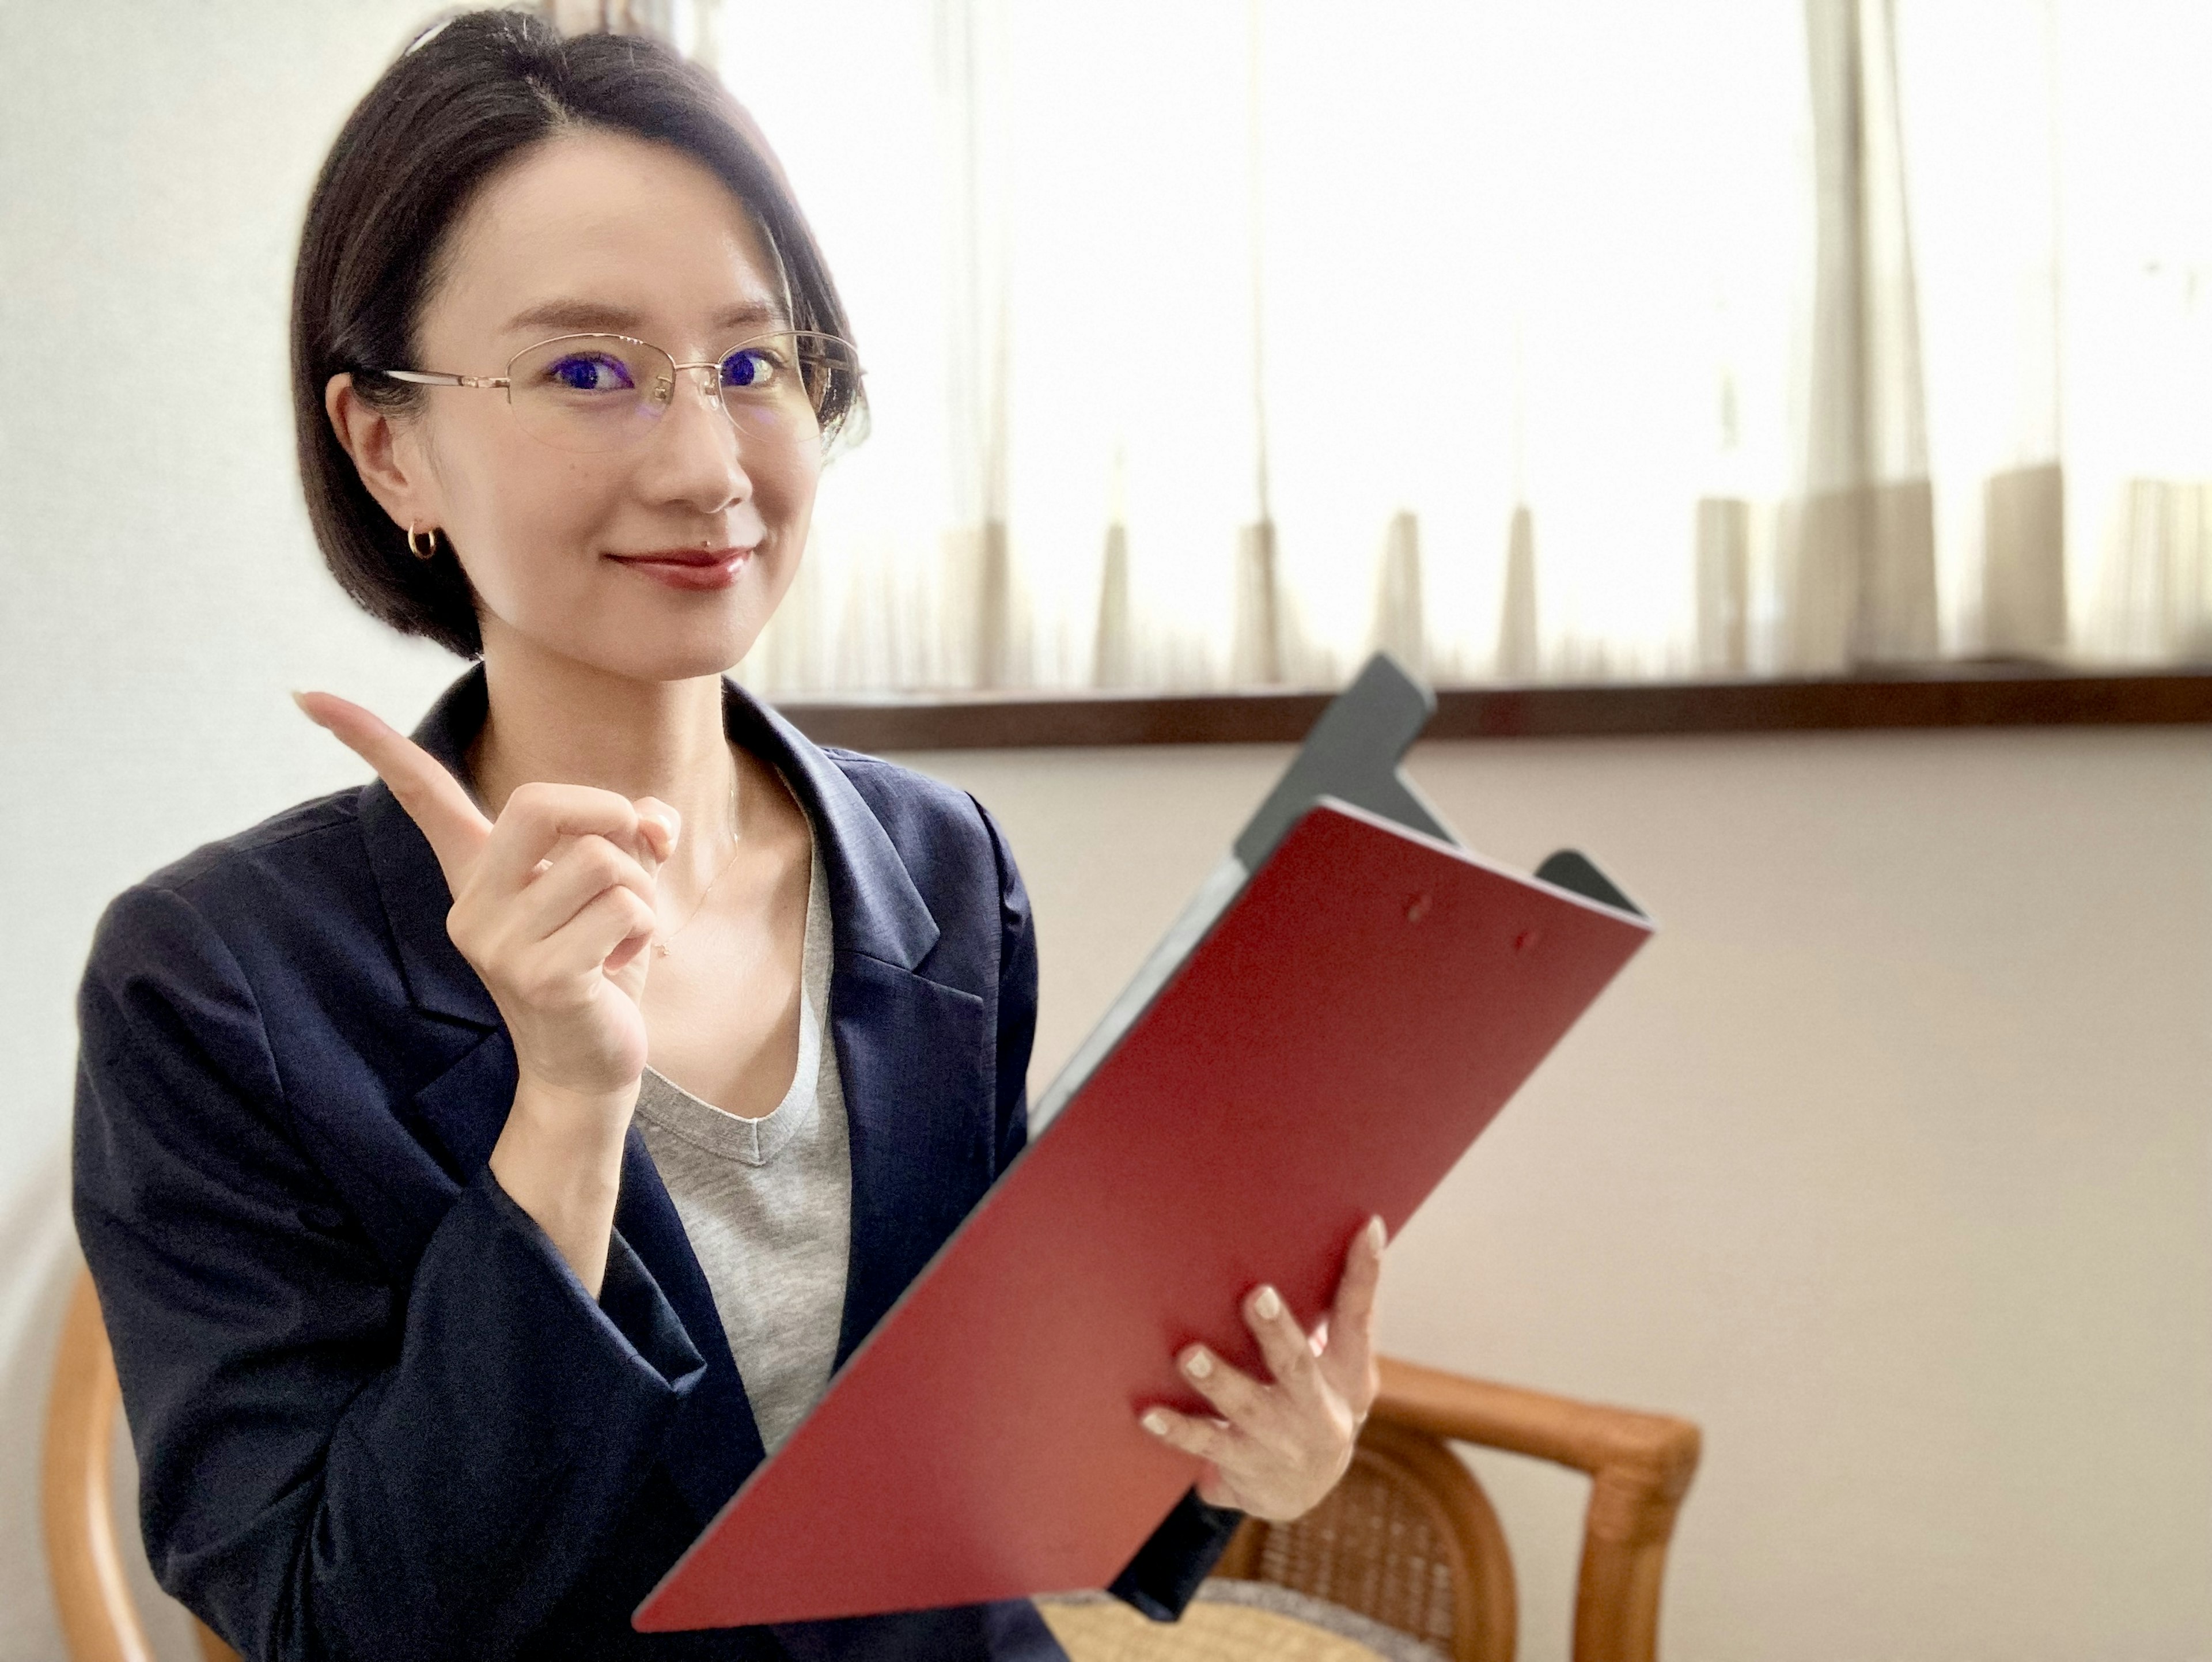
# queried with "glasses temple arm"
point(440, 378)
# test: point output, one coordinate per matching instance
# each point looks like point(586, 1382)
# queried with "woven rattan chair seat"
point(1228, 1622)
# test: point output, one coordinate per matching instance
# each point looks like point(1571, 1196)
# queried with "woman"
point(483, 1170)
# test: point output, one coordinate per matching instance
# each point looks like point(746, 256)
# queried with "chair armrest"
point(1656, 1451)
point(1640, 1466)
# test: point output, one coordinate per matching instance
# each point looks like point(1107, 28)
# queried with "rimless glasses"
point(608, 391)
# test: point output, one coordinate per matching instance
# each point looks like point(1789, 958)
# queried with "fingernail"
point(300, 699)
point(1155, 1422)
point(1269, 1304)
point(1377, 1236)
point(1198, 1365)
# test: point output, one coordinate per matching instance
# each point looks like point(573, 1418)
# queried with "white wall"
point(1888, 1161)
point(158, 589)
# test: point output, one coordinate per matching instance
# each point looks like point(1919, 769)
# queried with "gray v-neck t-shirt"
point(768, 1202)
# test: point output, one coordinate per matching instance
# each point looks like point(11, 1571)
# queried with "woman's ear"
point(386, 455)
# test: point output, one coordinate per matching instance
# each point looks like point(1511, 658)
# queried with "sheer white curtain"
point(2059, 155)
point(1211, 344)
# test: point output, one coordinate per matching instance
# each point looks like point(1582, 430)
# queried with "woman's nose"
point(699, 447)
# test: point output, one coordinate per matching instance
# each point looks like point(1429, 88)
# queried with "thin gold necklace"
point(660, 942)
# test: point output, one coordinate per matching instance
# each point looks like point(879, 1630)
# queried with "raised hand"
point(1280, 1445)
point(553, 906)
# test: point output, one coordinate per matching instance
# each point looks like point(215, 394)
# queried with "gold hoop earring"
point(429, 542)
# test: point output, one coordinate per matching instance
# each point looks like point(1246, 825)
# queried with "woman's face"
point(593, 231)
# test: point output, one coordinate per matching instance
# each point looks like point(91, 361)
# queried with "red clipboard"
point(1345, 1029)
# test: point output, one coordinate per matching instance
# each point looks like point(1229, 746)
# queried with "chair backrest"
point(100, 1619)
point(1407, 1538)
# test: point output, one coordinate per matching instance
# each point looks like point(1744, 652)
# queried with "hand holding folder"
point(1275, 1446)
point(1315, 1044)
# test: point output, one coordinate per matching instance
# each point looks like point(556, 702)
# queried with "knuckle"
point(607, 867)
point(534, 798)
point(461, 929)
point(600, 859)
point(1228, 1394)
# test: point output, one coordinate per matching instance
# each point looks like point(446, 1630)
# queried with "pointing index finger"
point(436, 802)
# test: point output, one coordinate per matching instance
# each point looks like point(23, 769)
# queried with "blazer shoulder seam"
point(917, 786)
point(324, 814)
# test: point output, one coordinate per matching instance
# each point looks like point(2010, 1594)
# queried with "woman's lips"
point(688, 568)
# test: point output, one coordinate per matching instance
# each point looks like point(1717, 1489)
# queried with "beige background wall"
point(1891, 1160)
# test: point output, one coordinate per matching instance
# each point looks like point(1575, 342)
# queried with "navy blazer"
point(377, 1416)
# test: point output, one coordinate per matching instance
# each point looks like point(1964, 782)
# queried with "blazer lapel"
point(921, 1150)
point(872, 901)
point(463, 1106)
point(417, 897)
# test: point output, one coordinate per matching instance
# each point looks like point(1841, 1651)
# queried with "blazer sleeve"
point(339, 1458)
point(1164, 1575)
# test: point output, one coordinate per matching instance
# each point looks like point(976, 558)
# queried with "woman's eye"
point(750, 368)
point(590, 372)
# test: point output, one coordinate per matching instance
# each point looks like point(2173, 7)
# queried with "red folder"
point(1349, 1023)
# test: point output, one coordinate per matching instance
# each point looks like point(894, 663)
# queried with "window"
point(1212, 344)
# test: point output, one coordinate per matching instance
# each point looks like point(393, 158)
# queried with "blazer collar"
point(874, 906)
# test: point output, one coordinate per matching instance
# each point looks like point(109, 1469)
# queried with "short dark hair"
point(465, 98)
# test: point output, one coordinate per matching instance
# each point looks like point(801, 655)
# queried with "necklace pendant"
point(660, 948)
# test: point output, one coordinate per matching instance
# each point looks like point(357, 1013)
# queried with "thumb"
point(440, 807)
point(661, 825)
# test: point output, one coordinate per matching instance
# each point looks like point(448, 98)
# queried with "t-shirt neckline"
point(757, 1142)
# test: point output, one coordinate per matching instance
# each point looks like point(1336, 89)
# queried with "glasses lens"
point(591, 391)
point(789, 386)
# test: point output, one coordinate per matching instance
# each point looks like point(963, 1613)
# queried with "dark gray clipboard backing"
point(1353, 753)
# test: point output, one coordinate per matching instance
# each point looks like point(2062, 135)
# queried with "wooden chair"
point(99, 1621)
point(1408, 1538)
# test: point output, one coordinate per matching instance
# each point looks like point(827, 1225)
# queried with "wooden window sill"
point(1957, 695)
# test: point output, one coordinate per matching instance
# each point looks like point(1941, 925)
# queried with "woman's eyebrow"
point(591, 316)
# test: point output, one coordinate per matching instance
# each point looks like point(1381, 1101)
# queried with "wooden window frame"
point(1960, 695)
